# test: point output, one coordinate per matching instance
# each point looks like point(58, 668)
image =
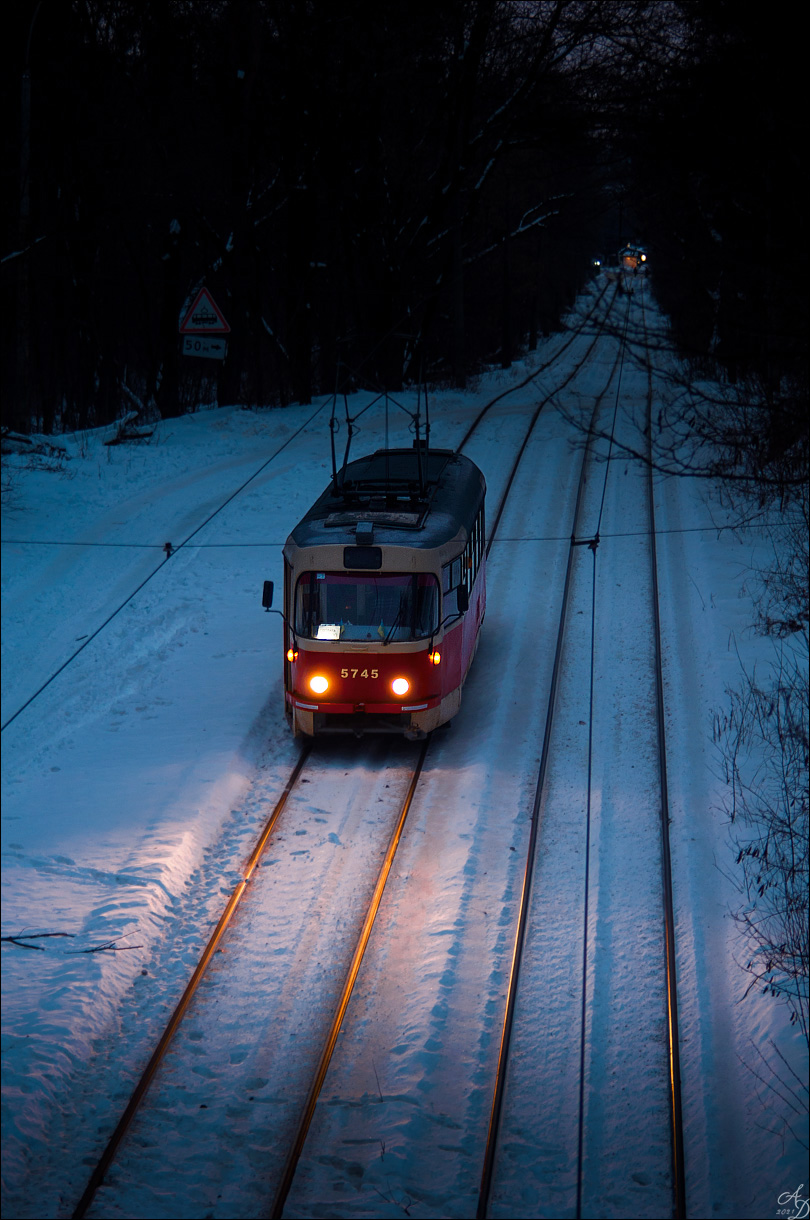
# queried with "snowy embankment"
point(135, 782)
point(129, 767)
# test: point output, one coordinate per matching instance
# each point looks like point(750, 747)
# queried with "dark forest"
point(379, 194)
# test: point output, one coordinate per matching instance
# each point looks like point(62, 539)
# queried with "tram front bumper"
point(408, 719)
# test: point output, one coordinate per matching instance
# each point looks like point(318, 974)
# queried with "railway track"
point(592, 317)
point(673, 1037)
point(316, 1150)
point(326, 1040)
point(159, 1053)
point(296, 1151)
point(606, 846)
point(393, 774)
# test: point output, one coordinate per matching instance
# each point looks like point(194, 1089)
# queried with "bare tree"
point(763, 740)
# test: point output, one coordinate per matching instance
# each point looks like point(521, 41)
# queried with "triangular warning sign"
point(204, 317)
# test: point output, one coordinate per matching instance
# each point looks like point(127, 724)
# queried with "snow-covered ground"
point(135, 782)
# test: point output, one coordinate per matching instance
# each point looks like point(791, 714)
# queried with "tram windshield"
point(338, 606)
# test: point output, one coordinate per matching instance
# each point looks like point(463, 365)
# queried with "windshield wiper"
point(395, 623)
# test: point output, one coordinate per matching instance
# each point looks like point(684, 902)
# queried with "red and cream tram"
point(384, 595)
point(633, 258)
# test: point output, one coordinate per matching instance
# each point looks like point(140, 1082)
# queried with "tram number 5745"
point(361, 673)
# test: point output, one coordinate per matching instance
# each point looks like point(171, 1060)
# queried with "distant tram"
point(384, 595)
point(633, 258)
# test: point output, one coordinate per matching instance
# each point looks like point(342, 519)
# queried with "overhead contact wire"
point(583, 1016)
point(311, 1101)
point(613, 422)
point(525, 897)
point(161, 565)
point(533, 376)
point(224, 504)
point(140, 1090)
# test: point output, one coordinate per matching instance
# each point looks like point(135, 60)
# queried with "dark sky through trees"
point(371, 190)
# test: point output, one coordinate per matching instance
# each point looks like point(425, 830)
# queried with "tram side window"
point(479, 539)
point(472, 559)
point(464, 569)
point(450, 603)
point(472, 555)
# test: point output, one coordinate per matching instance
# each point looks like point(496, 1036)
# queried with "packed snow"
point(136, 780)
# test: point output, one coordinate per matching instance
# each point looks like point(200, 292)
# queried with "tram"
point(384, 595)
point(633, 258)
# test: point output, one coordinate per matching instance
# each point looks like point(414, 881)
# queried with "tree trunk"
point(506, 307)
point(457, 296)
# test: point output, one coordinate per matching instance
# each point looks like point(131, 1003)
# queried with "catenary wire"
point(144, 582)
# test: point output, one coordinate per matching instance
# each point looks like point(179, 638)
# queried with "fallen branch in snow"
point(109, 947)
point(17, 442)
point(379, 1090)
point(22, 937)
point(127, 430)
point(403, 1207)
point(129, 436)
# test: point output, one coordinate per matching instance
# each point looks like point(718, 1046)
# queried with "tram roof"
point(384, 489)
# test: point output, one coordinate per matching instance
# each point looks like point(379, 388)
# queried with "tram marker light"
point(434, 657)
point(292, 654)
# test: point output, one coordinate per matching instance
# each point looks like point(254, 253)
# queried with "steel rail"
point(520, 931)
point(159, 1053)
point(543, 367)
point(308, 1111)
point(543, 402)
point(142, 1087)
point(676, 1110)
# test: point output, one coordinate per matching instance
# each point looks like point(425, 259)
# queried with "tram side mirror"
point(267, 594)
point(462, 599)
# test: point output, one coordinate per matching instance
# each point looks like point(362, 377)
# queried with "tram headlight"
point(318, 684)
point(400, 686)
